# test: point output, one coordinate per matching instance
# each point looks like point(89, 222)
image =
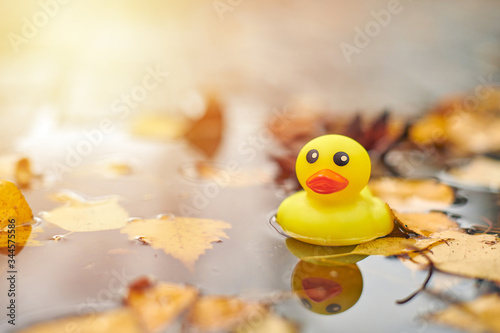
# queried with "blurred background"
point(73, 58)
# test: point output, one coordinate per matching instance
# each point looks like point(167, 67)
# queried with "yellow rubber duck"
point(336, 208)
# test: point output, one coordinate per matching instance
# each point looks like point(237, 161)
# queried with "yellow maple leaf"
point(479, 315)
point(475, 256)
point(78, 214)
point(184, 238)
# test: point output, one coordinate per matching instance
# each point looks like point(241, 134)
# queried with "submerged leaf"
point(184, 238)
point(388, 246)
point(425, 223)
point(81, 215)
point(158, 305)
point(474, 256)
point(409, 194)
point(223, 313)
point(114, 321)
point(480, 315)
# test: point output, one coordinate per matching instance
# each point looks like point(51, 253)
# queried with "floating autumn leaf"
point(478, 316)
point(444, 126)
point(13, 205)
point(114, 321)
point(206, 133)
point(270, 324)
point(159, 127)
point(79, 214)
point(411, 194)
point(183, 238)
point(158, 305)
point(388, 246)
point(223, 313)
point(25, 236)
point(425, 224)
point(311, 252)
point(480, 171)
point(474, 256)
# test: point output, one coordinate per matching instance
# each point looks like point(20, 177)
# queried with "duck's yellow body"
point(335, 208)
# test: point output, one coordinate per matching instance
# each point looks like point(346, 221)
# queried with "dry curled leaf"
point(474, 256)
point(412, 194)
point(425, 223)
point(388, 246)
point(115, 321)
point(78, 214)
point(184, 238)
point(480, 171)
point(13, 205)
point(223, 313)
point(158, 305)
point(478, 316)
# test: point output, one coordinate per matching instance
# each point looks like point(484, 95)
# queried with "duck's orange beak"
point(319, 289)
point(326, 181)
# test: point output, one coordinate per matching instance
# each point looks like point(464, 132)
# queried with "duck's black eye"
point(341, 158)
point(312, 156)
point(333, 308)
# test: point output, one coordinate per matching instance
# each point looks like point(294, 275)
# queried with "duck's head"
point(333, 167)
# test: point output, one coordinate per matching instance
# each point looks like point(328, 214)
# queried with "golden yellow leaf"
point(159, 305)
point(478, 316)
point(78, 214)
point(21, 234)
point(475, 256)
point(412, 194)
point(425, 223)
point(183, 238)
point(115, 321)
point(388, 246)
point(13, 205)
point(224, 313)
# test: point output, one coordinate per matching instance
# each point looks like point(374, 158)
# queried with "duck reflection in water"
point(328, 287)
